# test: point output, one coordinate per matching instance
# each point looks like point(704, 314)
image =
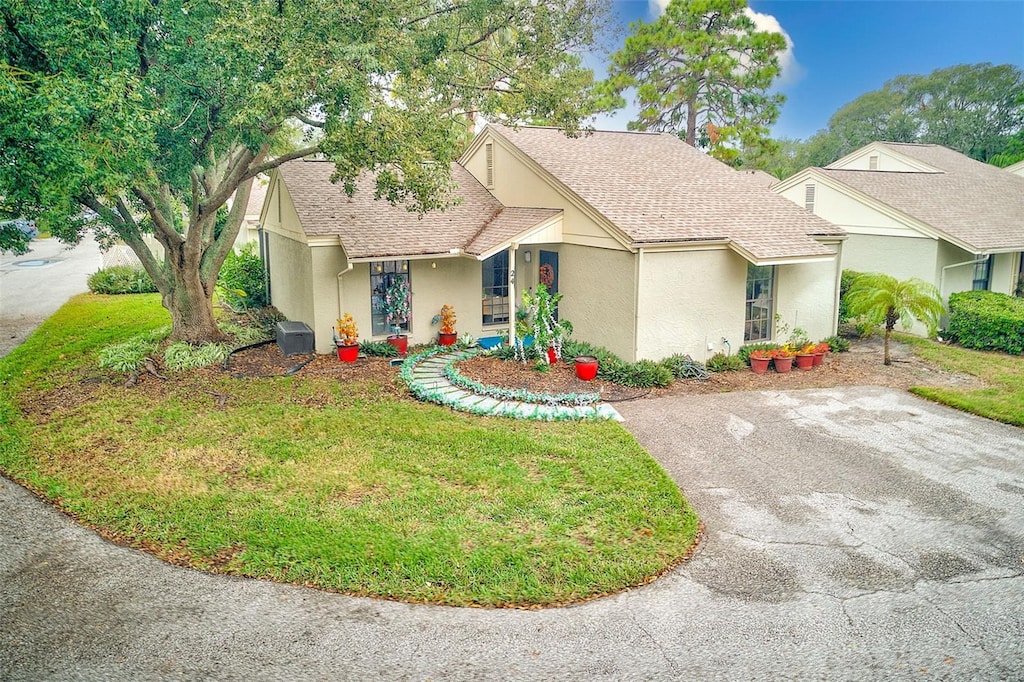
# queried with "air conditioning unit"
point(295, 338)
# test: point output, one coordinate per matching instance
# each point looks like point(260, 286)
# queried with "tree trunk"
point(890, 324)
point(190, 303)
point(691, 122)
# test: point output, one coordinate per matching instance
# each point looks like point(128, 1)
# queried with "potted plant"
point(586, 367)
point(782, 358)
point(820, 351)
point(805, 356)
point(346, 338)
point(759, 360)
point(397, 303)
point(548, 331)
point(446, 336)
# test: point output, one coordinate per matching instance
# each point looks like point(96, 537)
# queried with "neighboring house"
point(921, 210)
point(656, 247)
point(1016, 169)
point(248, 232)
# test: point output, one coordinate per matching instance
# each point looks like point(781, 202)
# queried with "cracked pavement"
point(853, 533)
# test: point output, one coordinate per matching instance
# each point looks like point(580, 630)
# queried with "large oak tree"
point(152, 113)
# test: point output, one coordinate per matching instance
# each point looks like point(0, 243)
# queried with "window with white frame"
point(982, 273)
point(760, 303)
point(494, 272)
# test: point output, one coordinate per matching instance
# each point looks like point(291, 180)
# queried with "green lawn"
point(1002, 400)
point(340, 486)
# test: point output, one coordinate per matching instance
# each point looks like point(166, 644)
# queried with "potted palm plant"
point(397, 303)
point(346, 338)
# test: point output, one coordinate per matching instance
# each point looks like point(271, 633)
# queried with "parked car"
point(27, 227)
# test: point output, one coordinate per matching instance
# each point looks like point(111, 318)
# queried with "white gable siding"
point(886, 162)
point(848, 213)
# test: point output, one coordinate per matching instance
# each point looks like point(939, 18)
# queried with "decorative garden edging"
point(519, 394)
point(425, 375)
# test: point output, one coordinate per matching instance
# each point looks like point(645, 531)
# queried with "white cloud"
point(791, 69)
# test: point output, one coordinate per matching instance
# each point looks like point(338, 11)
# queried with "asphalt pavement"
point(852, 534)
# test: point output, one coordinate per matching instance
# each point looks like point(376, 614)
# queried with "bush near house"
point(986, 320)
point(121, 279)
point(243, 271)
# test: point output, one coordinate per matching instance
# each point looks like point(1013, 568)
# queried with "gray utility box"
point(294, 338)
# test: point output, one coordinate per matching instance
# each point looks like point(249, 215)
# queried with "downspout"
point(636, 301)
point(341, 288)
point(512, 252)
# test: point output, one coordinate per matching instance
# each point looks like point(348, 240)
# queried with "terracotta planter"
point(819, 358)
point(783, 365)
point(348, 353)
point(399, 341)
point(759, 365)
point(586, 367)
point(447, 339)
point(805, 361)
point(552, 356)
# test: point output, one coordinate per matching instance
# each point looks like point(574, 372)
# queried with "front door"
point(548, 272)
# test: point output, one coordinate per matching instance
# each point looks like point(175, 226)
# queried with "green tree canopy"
point(153, 113)
point(700, 70)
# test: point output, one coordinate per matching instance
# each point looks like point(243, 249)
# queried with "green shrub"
point(380, 349)
point(121, 279)
point(685, 367)
point(744, 352)
point(244, 334)
point(243, 272)
point(641, 374)
point(845, 282)
point(986, 320)
point(720, 362)
point(126, 357)
point(180, 356)
point(837, 344)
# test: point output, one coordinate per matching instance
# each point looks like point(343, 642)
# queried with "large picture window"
point(760, 303)
point(982, 273)
point(383, 275)
point(495, 289)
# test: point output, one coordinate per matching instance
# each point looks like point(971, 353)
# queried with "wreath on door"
point(547, 275)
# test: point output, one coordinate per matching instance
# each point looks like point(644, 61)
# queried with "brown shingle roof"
point(376, 229)
point(656, 188)
point(975, 203)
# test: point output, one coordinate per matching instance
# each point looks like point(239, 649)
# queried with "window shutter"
point(809, 197)
point(489, 150)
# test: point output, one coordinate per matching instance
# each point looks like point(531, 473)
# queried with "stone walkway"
point(428, 381)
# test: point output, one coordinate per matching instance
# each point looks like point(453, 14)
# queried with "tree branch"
point(277, 161)
point(159, 220)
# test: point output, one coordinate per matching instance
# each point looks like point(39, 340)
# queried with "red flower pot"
point(805, 361)
point(759, 365)
point(818, 358)
point(400, 342)
point(586, 367)
point(783, 365)
point(552, 356)
point(447, 339)
point(348, 353)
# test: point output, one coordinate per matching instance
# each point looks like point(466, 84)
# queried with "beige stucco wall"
point(599, 297)
point(517, 184)
point(805, 297)
point(291, 279)
point(901, 257)
point(1005, 269)
point(689, 299)
point(326, 263)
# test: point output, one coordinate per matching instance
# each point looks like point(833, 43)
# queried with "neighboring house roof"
point(655, 188)
point(758, 176)
point(972, 203)
point(1016, 168)
point(369, 228)
point(257, 195)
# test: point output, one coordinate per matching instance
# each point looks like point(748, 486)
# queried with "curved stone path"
point(429, 382)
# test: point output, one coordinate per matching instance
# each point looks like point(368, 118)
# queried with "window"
point(872, 163)
point(489, 153)
point(495, 289)
point(760, 302)
point(982, 273)
point(382, 275)
point(809, 197)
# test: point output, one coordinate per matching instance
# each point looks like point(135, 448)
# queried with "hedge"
point(986, 320)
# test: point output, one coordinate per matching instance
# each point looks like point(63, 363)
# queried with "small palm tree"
point(883, 298)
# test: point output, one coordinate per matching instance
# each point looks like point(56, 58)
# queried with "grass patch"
point(339, 486)
point(1002, 400)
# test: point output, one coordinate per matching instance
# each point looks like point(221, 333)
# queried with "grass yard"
point(1002, 400)
point(342, 486)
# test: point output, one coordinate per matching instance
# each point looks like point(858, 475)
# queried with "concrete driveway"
point(851, 534)
point(35, 284)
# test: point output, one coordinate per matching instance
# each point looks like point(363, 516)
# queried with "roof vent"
point(809, 197)
point(873, 162)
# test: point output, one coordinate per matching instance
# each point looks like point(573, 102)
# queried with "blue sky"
point(844, 48)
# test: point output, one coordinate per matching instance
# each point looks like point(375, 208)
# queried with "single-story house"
point(656, 247)
point(921, 210)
